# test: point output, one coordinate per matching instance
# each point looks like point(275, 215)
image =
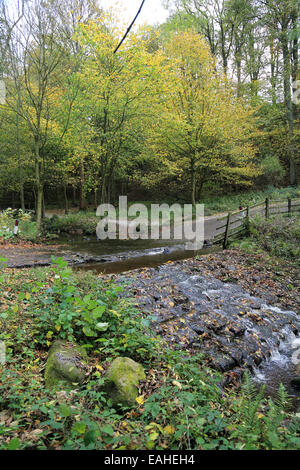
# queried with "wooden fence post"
point(267, 208)
point(289, 207)
point(247, 222)
point(225, 242)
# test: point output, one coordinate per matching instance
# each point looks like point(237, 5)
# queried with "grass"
point(180, 404)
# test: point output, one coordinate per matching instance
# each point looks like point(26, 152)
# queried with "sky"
point(152, 12)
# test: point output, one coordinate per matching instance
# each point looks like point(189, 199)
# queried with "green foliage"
point(80, 223)
point(61, 305)
point(272, 170)
point(27, 227)
point(279, 236)
point(260, 423)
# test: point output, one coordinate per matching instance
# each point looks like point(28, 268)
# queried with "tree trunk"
point(21, 184)
point(273, 75)
point(39, 186)
point(74, 196)
point(193, 183)
point(103, 198)
point(43, 206)
point(239, 75)
point(96, 198)
point(82, 202)
point(66, 199)
point(39, 205)
point(288, 103)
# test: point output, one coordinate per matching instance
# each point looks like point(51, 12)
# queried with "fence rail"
point(236, 223)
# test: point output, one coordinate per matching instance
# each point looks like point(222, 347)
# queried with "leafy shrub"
point(59, 307)
point(84, 223)
point(280, 236)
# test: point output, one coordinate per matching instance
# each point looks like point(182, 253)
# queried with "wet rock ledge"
point(230, 324)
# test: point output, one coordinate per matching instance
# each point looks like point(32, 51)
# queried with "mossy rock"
point(122, 379)
point(66, 366)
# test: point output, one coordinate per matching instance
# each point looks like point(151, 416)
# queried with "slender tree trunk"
point(74, 196)
point(82, 202)
point(66, 199)
point(43, 206)
point(103, 190)
point(96, 198)
point(34, 199)
point(39, 186)
point(273, 74)
point(193, 183)
point(288, 103)
point(22, 197)
point(295, 50)
point(239, 75)
point(21, 183)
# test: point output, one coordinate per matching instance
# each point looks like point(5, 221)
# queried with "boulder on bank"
point(122, 379)
point(66, 366)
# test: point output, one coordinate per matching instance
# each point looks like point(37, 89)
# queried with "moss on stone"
point(65, 367)
point(122, 379)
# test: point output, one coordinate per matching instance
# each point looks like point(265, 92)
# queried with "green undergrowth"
point(180, 404)
point(277, 236)
point(79, 223)
point(27, 230)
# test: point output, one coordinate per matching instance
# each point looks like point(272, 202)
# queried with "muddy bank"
point(207, 305)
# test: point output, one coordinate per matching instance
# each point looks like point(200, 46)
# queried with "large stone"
point(66, 366)
point(122, 379)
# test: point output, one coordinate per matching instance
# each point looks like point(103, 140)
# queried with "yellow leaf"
point(177, 384)
point(140, 399)
point(57, 327)
point(153, 436)
point(169, 430)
